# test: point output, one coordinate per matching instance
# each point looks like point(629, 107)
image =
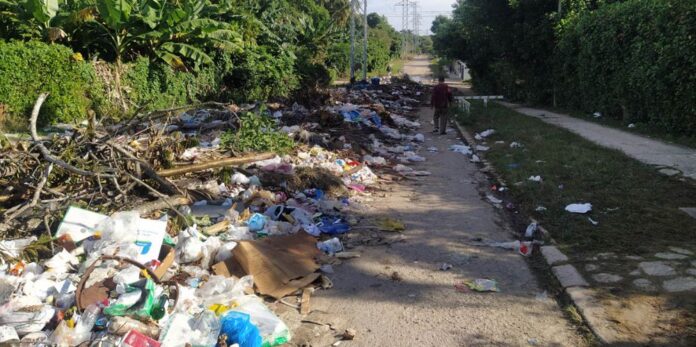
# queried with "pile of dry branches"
point(108, 168)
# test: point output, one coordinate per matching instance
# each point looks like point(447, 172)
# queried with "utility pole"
point(352, 43)
point(365, 39)
point(416, 25)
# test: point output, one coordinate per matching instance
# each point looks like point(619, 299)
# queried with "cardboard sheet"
point(280, 264)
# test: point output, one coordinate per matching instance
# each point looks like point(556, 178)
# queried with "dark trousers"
point(440, 119)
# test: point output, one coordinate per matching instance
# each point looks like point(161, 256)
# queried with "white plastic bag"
point(189, 248)
point(222, 290)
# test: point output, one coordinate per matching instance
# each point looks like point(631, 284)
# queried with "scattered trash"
point(482, 148)
point(208, 232)
point(484, 134)
point(475, 159)
point(349, 334)
point(493, 199)
point(592, 221)
point(463, 149)
point(331, 246)
point(531, 229)
point(445, 266)
point(632, 125)
point(524, 248)
point(515, 145)
point(579, 208)
point(478, 285)
point(432, 149)
point(540, 208)
point(535, 178)
point(391, 224)
point(597, 115)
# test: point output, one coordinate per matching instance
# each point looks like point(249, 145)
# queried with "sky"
point(429, 9)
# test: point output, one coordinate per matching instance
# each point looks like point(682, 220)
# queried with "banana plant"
point(174, 32)
point(30, 19)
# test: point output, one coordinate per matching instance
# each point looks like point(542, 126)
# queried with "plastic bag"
point(222, 290)
point(182, 329)
point(189, 248)
point(272, 329)
point(239, 329)
point(143, 305)
point(120, 227)
point(333, 226)
point(210, 248)
point(331, 246)
point(256, 222)
point(225, 251)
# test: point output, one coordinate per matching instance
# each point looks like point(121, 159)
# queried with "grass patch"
point(637, 208)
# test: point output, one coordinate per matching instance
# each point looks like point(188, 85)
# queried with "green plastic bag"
point(142, 308)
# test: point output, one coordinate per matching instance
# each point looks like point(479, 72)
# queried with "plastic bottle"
point(83, 329)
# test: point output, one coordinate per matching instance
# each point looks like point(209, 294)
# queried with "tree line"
point(116, 56)
point(633, 60)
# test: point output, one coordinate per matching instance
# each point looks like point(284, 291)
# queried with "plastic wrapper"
point(222, 290)
point(330, 246)
point(26, 322)
point(182, 329)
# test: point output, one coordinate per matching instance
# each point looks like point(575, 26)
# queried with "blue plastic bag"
point(256, 222)
point(333, 226)
point(239, 329)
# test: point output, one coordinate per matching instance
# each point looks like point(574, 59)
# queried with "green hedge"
point(634, 61)
point(158, 86)
point(30, 68)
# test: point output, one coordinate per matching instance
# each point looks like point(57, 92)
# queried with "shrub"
point(634, 61)
point(258, 73)
point(158, 86)
point(30, 68)
point(257, 133)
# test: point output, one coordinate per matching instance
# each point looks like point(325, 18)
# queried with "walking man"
point(440, 101)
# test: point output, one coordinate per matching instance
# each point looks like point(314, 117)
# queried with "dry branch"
point(165, 185)
point(178, 171)
point(162, 203)
point(45, 152)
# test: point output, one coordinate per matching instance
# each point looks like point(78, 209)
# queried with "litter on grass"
point(579, 208)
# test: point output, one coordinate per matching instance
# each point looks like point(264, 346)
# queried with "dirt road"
point(397, 295)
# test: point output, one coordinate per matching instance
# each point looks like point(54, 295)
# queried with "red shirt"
point(441, 96)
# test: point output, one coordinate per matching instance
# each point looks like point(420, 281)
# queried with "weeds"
point(257, 133)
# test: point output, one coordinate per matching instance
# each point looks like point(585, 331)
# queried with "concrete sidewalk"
point(646, 150)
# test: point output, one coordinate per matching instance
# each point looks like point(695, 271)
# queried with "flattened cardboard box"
point(280, 264)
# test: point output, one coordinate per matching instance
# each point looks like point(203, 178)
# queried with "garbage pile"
point(149, 233)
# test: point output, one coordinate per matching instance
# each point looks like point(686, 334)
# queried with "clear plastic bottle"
point(83, 328)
